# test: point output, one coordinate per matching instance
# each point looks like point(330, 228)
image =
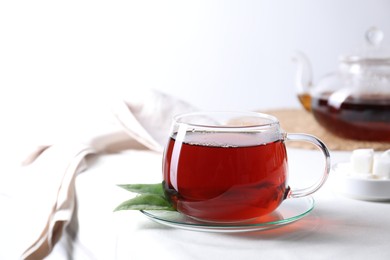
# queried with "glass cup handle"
point(314, 140)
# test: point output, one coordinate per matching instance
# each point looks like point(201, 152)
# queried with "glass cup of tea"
point(231, 166)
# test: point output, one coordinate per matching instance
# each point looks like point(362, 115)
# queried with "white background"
point(60, 61)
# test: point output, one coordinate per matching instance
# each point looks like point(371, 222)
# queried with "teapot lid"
point(372, 52)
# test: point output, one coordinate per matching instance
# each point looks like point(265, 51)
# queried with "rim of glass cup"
point(273, 121)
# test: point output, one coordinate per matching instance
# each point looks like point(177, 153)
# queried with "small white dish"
point(360, 186)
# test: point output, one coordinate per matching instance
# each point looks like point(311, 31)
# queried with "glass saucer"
point(288, 212)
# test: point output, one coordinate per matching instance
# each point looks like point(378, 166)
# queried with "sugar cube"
point(362, 161)
point(381, 168)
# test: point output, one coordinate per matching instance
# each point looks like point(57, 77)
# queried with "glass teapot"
point(353, 101)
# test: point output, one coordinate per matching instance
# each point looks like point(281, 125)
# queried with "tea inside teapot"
point(362, 118)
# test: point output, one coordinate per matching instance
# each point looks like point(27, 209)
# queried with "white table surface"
point(338, 228)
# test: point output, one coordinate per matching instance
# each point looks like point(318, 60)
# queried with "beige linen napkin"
point(49, 171)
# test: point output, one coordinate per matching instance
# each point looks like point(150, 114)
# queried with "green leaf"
point(151, 197)
point(144, 188)
point(145, 202)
